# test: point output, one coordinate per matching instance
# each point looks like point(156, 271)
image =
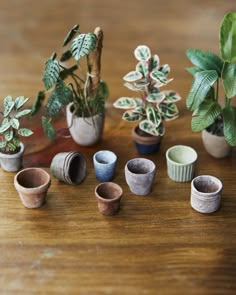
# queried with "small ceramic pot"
point(181, 161)
point(215, 145)
point(85, 131)
point(206, 193)
point(146, 145)
point(32, 185)
point(104, 165)
point(108, 195)
point(139, 175)
point(13, 162)
point(69, 167)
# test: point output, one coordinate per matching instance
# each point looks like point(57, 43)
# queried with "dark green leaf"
point(71, 34)
point(83, 44)
point(67, 72)
point(51, 73)
point(49, 130)
point(38, 102)
point(193, 70)
point(228, 37)
point(131, 116)
point(66, 56)
point(229, 79)
point(103, 91)
point(229, 117)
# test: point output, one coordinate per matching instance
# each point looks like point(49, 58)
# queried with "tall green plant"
point(210, 72)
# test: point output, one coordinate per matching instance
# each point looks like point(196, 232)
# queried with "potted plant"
point(85, 93)
point(153, 106)
point(11, 148)
point(216, 122)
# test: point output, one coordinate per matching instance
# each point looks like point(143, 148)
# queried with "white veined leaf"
point(83, 44)
point(15, 123)
point(142, 52)
point(5, 126)
point(125, 103)
point(142, 85)
point(140, 110)
point(25, 132)
point(131, 86)
point(150, 128)
point(165, 69)
point(8, 105)
point(155, 62)
point(171, 96)
point(51, 73)
point(11, 146)
point(142, 67)
point(131, 116)
point(20, 101)
point(156, 97)
point(133, 76)
point(169, 111)
point(229, 79)
point(159, 76)
point(3, 144)
point(9, 135)
point(154, 116)
point(23, 113)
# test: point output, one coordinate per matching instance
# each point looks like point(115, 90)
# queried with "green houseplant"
point(210, 71)
point(11, 148)
point(83, 95)
point(152, 107)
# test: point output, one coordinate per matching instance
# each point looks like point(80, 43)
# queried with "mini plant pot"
point(32, 185)
point(215, 145)
point(108, 195)
point(139, 175)
point(146, 144)
point(181, 161)
point(85, 131)
point(69, 167)
point(206, 193)
point(104, 165)
point(12, 162)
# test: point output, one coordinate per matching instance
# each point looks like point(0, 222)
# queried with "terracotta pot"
point(215, 145)
point(32, 185)
point(85, 131)
point(108, 195)
point(13, 162)
point(146, 144)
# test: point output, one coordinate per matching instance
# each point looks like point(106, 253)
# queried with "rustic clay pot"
point(139, 175)
point(104, 165)
point(146, 144)
point(215, 145)
point(13, 162)
point(181, 161)
point(108, 195)
point(206, 193)
point(69, 167)
point(85, 131)
point(32, 185)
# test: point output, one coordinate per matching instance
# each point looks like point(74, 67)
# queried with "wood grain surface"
point(156, 244)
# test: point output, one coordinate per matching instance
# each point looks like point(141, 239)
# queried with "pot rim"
point(113, 184)
point(145, 140)
point(184, 147)
point(114, 159)
point(140, 174)
point(216, 180)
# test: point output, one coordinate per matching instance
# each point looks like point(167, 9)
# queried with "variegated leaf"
point(142, 52)
point(25, 132)
point(140, 110)
point(51, 73)
point(3, 144)
point(165, 69)
point(156, 97)
point(153, 115)
point(83, 44)
point(155, 63)
point(8, 105)
point(142, 67)
point(158, 76)
point(4, 127)
point(9, 135)
point(131, 86)
point(48, 128)
point(23, 113)
point(133, 76)
point(171, 96)
point(125, 103)
point(148, 127)
point(15, 123)
point(131, 116)
point(142, 85)
point(20, 101)
point(169, 111)
point(11, 146)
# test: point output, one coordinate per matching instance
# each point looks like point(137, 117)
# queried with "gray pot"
point(139, 175)
point(13, 162)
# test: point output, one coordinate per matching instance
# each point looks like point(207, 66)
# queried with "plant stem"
point(217, 89)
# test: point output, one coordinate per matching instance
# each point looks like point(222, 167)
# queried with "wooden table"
point(156, 244)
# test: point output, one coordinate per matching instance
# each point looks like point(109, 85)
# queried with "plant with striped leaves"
point(209, 73)
point(152, 106)
point(10, 130)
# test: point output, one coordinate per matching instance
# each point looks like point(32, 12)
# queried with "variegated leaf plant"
point(10, 130)
point(152, 106)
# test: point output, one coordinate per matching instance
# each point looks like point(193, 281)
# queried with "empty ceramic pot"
point(69, 167)
point(108, 195)
point(181, 161)
point(12, 162)
point(139, 175)
point(32, 185)
point(104, 165)
point(206, 193)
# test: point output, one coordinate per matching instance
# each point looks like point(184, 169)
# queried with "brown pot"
point(32, 185)
point(215, 145)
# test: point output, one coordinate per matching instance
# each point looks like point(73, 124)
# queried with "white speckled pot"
point(13, 162)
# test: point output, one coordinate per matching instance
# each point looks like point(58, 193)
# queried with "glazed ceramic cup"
point(139, 175)
point(69, 167)
point(32, 185)
point(108, 195)
point(206, 193)
point(104, 165)
point(181, 161)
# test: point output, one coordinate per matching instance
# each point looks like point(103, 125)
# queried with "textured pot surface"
point(85, 131)
point(32, 185)
point(108, 195)
point(104, 165)
point(12, 163)
point(215, 145)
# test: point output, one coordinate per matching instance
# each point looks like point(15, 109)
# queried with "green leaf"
point(51, 73)
point(155, 63)
point(205, 60)
point(229, 79)
point(8, 105)
point(133, 76)
point(20, 101)
point(142, 53)
point(49, 130)
point(228, 37)
point(131, 116)
point(205, 115)
point(140, 110)
point(151, 128)
point(142, 84)
point(22, 113)
point(83, 44)
point(66, 55)
point(11, 146)
point(103, 90)
point(159, 76)
point(142, 67)
point(200, 88)
point(193, 70)
point(131, 86)
point(4, 127)
point(155, 97)
point(25, 132)
point(169, 111)
point(3, 144)
point(71, 35)
point(154, 116)
point(61, 96)
point(9, 135)
point(125, 103)
point(14, 123)
point(38, 102)
point(229, 118)
point(171, 96)
point(165, 69)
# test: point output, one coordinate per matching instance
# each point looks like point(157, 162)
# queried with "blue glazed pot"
point(104, 165)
